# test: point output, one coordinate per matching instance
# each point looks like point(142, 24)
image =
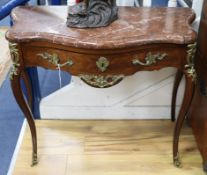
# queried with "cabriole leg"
point(178, 78)
point(18, 94)
point(15, 77)
point(28, 87)
point(189, 89)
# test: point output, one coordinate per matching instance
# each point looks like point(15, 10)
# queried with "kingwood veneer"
point(142, 39)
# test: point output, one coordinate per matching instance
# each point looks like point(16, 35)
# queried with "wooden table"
point(142, 39)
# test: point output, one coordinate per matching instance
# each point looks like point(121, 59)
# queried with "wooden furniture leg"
point(19, 96)
point(189, 89)
point(28, 87)
point(178, 78)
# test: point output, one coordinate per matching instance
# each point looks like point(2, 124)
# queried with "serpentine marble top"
point(135, 26)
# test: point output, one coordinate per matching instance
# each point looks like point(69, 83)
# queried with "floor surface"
point(135, 147)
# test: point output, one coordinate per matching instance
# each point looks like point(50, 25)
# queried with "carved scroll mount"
point(190, 61)
point(191, 71)
point(14, 52)
point(149, 59)
point(55, 60)
point(101, 81)
point(102, 63)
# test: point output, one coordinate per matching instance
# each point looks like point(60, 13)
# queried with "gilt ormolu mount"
point(102, 57)
point(92, 13)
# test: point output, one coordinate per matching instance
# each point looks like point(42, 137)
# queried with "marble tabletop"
point(134, 27)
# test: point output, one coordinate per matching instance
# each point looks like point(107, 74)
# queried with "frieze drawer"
point(123, 63)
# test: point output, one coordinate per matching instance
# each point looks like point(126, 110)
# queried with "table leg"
point(19, 96)
point(178, 78)
point(28, 87)
point(33, 77)
point(187, 99)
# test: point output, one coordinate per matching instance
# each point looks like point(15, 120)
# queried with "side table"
point(142, 39)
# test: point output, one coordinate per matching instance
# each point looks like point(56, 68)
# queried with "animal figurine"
point(92, 13)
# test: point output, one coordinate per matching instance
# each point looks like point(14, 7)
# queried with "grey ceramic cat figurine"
point(92, 13)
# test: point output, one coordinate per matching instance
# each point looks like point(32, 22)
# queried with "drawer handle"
point(54, 59)
point(102, 63)
point(149, 59)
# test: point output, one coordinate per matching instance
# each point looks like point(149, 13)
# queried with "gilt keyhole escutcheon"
point(102, 63)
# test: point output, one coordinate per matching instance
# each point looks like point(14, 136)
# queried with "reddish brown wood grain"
point(120, 60)
point(133, 36)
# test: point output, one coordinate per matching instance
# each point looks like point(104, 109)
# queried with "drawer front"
point(105, 64)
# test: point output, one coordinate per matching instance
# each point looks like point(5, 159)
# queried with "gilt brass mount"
point(190, 61)
point(101, 81)
point(54, 59)
point(14, 52)
point(34, 159)
point(102, 64)
point(149, 59)
point(177, 161)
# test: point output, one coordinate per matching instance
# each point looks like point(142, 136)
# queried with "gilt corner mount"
point(14, 52)
point(190, 61)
